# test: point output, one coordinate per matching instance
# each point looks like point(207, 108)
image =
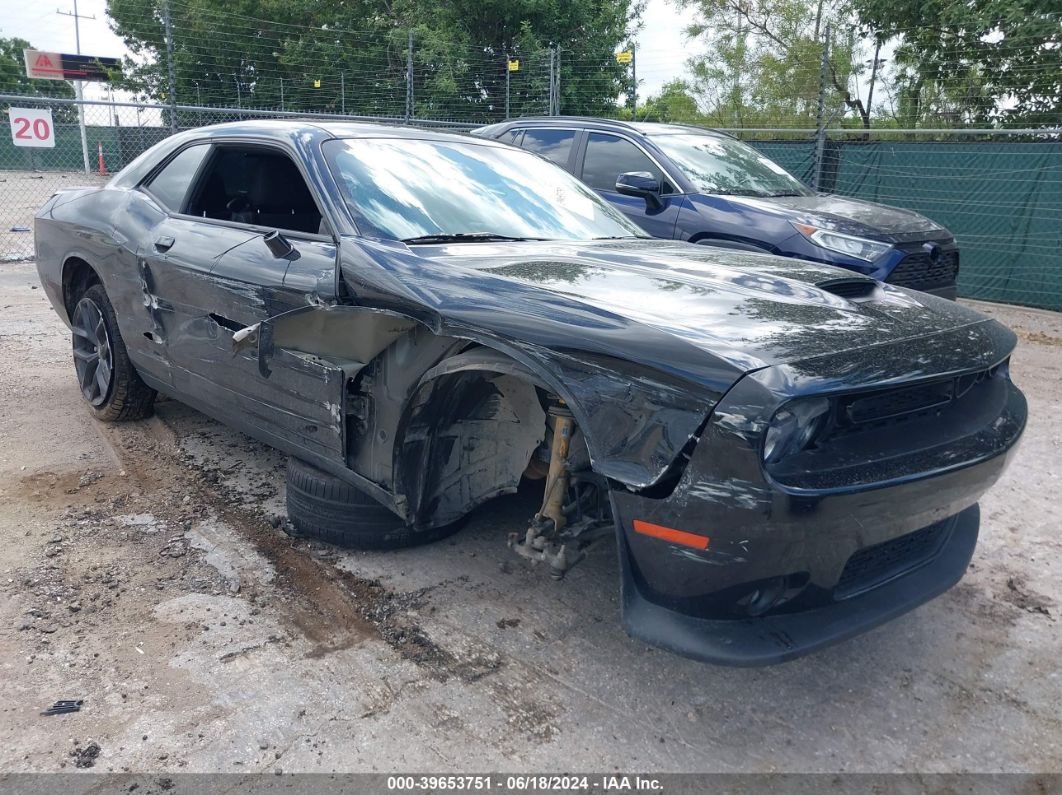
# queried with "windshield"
point(722, 165)
point(405, 189)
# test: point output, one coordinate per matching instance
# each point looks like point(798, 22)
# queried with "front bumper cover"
point(777, 638)
point(773, 581)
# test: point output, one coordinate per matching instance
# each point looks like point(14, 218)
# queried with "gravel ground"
point(144, 569)
point(21, 194)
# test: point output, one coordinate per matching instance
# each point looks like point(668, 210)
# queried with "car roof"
point(283, 128)
point(290, 129)
point(648, 128)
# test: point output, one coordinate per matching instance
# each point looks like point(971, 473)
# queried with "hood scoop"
point(850, 288)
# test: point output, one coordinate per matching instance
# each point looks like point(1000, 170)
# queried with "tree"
point(675, 103)
point(763, 61)
point(352, 54)
point(977, 62)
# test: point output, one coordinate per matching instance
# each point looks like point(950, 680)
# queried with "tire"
point(329, 509)
point(108, 381)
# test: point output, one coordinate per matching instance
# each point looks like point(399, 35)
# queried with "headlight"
point(794, 427)
point(858, 247)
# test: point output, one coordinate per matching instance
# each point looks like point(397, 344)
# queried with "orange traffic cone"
point(103, 167)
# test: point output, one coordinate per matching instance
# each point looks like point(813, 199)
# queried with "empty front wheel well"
point(467, 435)
point(78, 276)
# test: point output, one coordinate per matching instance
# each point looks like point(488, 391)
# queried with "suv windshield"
point(722, 165)
point(426, 191)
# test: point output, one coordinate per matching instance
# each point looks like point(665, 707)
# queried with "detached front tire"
point(109, 383)
point(329, 509)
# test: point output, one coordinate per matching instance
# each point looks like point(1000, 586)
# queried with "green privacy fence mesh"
point(1001, 199)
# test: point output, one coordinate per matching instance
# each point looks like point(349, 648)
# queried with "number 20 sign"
point(32, 127)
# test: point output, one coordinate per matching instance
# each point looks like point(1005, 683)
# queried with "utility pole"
point(79, 91)
point(282, 93)
point(552, 82)
point(557, 78)
point(507, 70)
point(820, 113)
point(409, 78)
point(634, 80)
point(171, 76)
point(342, 92)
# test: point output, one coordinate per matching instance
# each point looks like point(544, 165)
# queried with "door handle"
point(164, 243)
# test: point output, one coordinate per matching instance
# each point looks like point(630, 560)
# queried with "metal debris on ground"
point(61, 707)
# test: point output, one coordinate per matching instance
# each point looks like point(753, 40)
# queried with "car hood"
point(752, 310)
point(850, 216)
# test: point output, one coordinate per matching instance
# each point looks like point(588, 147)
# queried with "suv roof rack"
point(621, 124)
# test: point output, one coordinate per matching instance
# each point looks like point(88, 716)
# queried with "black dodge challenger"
point(786, 453)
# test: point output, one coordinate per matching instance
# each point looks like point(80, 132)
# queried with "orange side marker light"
point(670, 534)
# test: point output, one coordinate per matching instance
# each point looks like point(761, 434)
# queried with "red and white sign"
point(44, 65)
point(32, 127)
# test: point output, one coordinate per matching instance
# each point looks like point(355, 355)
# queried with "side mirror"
point(642, 184)
point(278, 245)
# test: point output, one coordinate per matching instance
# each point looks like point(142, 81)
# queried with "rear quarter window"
point(555, 145)
point(170, 185)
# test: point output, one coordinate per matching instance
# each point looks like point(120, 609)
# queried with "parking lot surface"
point(144, 568)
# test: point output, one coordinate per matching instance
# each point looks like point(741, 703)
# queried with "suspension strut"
point(556, 490)
point(539, 543)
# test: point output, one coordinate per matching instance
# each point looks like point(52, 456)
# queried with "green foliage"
point(675, 103)
point(763, 60)
point(977, 62)
point(357, 49)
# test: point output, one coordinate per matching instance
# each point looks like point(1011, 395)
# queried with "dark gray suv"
point(703, 186)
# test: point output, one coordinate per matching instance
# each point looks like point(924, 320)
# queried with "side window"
point(170, 186)
point(512, 137)
point(608, 156)
point(555, 145)
point(256, 186)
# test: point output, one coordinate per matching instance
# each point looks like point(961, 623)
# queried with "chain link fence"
point(115, 134)
point(998, 191)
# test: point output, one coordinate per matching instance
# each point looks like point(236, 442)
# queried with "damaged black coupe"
point(786, 453)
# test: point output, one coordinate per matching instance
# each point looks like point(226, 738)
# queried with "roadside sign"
point(623, 57)
point(32, 127)
point(514, 66)
point(317, 83)
point(64, 66)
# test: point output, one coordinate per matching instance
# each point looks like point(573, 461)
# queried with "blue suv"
point(690, 183)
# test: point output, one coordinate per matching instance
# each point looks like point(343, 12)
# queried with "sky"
point(661, 54)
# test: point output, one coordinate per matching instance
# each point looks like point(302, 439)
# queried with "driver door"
point(213, 264)
point(605, 157)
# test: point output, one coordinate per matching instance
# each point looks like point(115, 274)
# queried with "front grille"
point(874, 410)
point(875, 565)
point(897, 402)
point(919, 272)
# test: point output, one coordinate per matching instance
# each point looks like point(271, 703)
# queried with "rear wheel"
point(109, 383)
point(329, 509)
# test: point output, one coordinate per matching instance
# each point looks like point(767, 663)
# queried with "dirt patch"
point(333, 608)
point(1039, 337)
point(86, 755)
point(64, 489)
point(1019, 595)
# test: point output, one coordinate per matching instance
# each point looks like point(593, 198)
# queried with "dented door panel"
point(302, 400)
